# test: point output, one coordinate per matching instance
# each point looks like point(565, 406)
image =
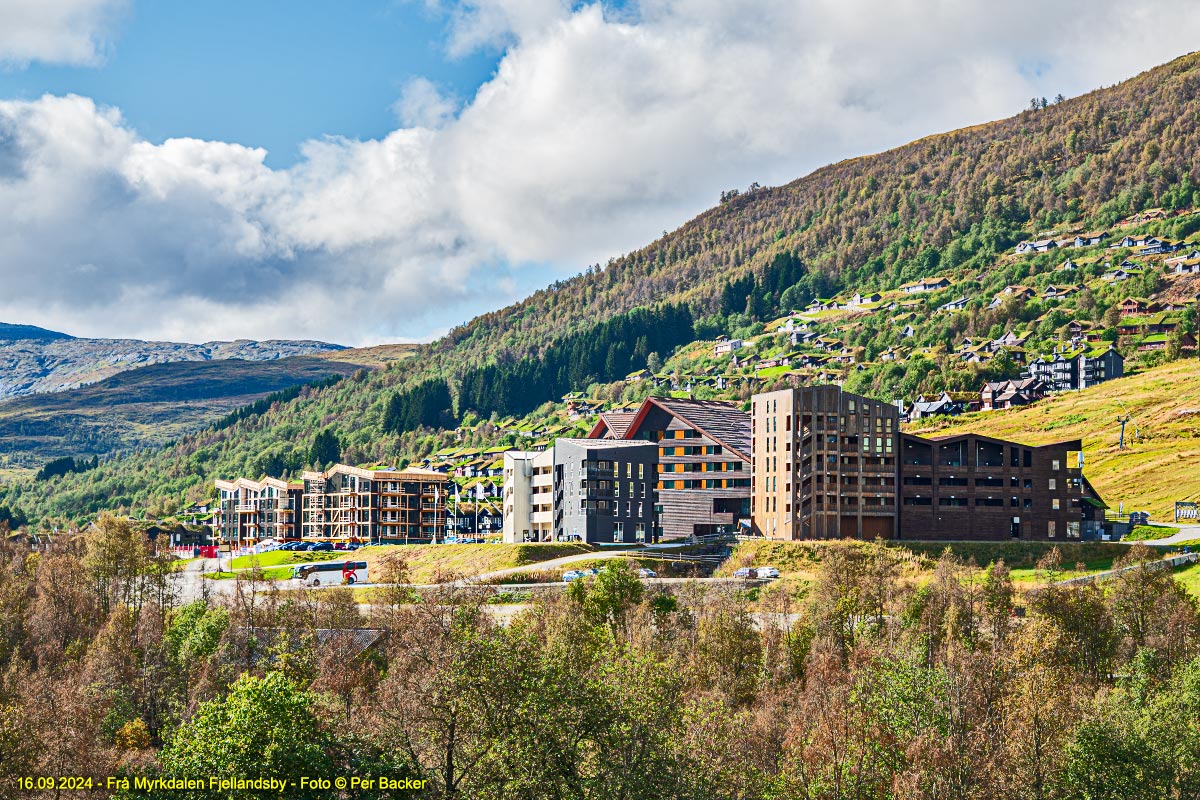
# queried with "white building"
point(528, 494)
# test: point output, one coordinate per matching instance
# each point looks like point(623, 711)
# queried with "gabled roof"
point(724, 423)
point(613, 422)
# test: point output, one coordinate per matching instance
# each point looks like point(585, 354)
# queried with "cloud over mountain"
point(598, 130)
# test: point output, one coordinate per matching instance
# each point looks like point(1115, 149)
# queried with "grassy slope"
point(427, 562)
point(1157, 468)
point(797, 561)
point(378, 356)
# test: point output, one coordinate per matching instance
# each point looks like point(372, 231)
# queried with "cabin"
point(925, 285)
point(727, 346)
point(864, 299)
point(954, 305)
point(1133, 306)
point(1090, 239)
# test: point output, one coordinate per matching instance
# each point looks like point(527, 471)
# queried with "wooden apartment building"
point(248, 511)
point(824, 464)
point(374, 505)
point(828, 463)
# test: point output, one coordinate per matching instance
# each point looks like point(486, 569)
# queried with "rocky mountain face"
point(34, 360)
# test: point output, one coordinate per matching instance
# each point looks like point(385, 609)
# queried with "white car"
point(647, 573)
point(767, 572)
point(573, 575)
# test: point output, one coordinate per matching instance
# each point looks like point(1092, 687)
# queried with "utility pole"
point(1123, 420)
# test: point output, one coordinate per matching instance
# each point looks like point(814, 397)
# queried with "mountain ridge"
point(951, 203)
point(58, 362)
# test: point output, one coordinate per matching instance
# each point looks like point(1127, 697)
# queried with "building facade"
point(248, 511)
point(824, 464)
point(528, 496)
point(975, 487)
point(703, 459)
point(1079, 369)
point(374, 505)
point(588, 490)
point(829, 463)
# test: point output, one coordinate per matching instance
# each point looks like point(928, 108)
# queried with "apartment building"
point(828, 463)
point(374, 505)
point(528, 496)
point(703, 459)
point(248, 511)
point(1077, 369)
point(824, 464)
point(588, 490)
point(975, 487)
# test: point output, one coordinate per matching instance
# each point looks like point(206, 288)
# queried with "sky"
point(382, 170)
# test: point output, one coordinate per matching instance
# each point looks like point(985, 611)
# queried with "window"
point(618, 532)
point(952, 501)
point(1028, 458)
point(1054, 464)
point(918, 501)
point(1054, 504)
point(1050, 529)
point(1027, 483)
point(639, 532)
point(1027, 503)
point(1053, 485)
point(628, 469)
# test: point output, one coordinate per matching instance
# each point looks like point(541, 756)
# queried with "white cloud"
point(597, 132)
point(55, 31)
point(423, 105)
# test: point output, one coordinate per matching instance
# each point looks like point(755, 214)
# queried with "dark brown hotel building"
point(828, 463)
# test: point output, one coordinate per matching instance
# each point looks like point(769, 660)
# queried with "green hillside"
point(951, 205)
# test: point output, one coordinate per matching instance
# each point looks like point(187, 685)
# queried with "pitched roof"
point(722, 422)
point(617, 422)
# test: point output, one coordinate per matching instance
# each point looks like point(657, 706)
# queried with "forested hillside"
point(950, 204)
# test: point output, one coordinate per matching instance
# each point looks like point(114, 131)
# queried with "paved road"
point(1186, 533)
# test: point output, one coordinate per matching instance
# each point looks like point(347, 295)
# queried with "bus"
point(331, 573)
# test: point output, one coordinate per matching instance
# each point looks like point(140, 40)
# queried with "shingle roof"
point(618, 421)
point(723, 422)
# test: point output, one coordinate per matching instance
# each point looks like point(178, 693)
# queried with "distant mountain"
point(150, 406)
point(10, 333)
point(34, 360)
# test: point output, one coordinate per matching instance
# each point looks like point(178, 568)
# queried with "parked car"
point(573, 575)
point(746, 572)
point(320, 547)
point(644, 572)
point(1139, 518)
point(767, 572)
point(295, 546)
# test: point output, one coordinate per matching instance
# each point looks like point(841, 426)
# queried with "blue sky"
point(363, 172)
point(265, 73)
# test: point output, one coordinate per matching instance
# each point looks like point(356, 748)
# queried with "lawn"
point(1190, 578)
point(277, 558)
